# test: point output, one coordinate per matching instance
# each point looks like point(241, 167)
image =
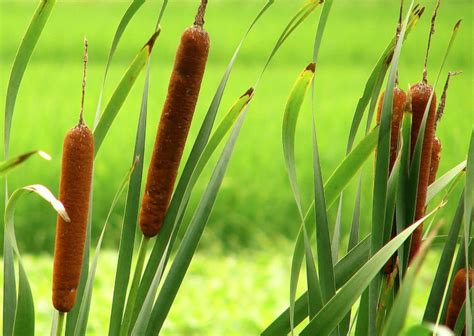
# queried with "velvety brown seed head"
point(420, 94)
point(398, 107)
point(458, 296)
point(176, 117)
point(399, 101)
point(435, 158)
point(74, 192)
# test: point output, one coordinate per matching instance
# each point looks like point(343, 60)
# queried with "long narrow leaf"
point(192, 237)
point(121, 92)
point(24, 318)
point(10, 164)
point(81, 323)
point(30, 39)
point(335, 310)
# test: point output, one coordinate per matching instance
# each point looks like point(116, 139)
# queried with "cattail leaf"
point(81, 323)
point(10, 164)
point(468, 224)
point(333, 187)
point(121, 92)
point(226, 124)
point(191, 238)
point(308, 7)
point(377, 75)
point(23, 318)
point(22, 58)
point(334, 311)
point(293, 106)
point(124, 21)
point(343, 270)
point(437, 186)
point(134, 189)
point(379, 204)
point(129, 223)
point(440, 281)
point(396, 319)
point(290, 118)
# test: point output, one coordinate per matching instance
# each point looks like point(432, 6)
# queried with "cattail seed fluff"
point(420, 94)
point(74, 193)
point(176, 117)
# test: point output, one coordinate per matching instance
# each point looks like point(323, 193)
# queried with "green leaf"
point(229, 120)
point(468, 223)
point(81, 323)
point(343, 270)
point(10, 164)
point(292, 109)
point(121, 92)
point(334, 311)
point(396, 319)
point(379, 204)
point(191, 238)
point(440, 281)
point(30, 39)
point(333, 187)
point(124, 21)
point(23, 322)
point(129, 223)
point(444, 180)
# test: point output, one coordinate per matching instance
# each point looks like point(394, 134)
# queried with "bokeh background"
point(239, 279)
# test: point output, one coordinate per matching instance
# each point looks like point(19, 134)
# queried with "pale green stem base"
point(132, 296)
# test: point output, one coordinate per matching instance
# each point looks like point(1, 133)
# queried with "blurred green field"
point(255, 204)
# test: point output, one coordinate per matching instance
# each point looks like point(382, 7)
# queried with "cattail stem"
point(59, 327)
point(132, 295)
point(199, 20)
point(432, 31)
point(84, 75)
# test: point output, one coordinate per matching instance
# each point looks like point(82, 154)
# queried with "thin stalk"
point(59, 329)
point(132, 296)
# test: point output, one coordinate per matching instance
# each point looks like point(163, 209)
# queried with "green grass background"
point(255, 203)
point(255, 209)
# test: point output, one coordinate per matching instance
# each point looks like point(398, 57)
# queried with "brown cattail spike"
point(442, 102)
point(175, 121)
point(458, 296)
point(74, 193)
point(435, 158)
point(86, 58)
point(420, 94)
point(432, 31)
point(398, 107)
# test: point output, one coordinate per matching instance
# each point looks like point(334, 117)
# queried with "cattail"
point(74, 193)
point(176, 117)
point(435, 158)
point(420, 94)
point(458, 296)
point(398, 107)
